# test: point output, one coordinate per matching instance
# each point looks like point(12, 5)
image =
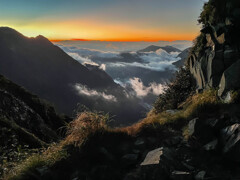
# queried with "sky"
point(104, 20)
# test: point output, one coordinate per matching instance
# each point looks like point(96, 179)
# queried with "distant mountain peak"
point(154, 48)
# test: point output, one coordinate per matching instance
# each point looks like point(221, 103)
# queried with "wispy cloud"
point(142, 90)
point(84, 90)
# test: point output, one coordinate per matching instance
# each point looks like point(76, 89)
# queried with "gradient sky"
point(110, 20)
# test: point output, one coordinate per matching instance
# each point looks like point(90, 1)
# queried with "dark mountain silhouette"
point(49, 72)
point(168, 49)
point(183, 55)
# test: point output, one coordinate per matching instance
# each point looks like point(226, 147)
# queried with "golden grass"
point(79, 131)
point(52, 154)
point(190, 108)
point(86, 124)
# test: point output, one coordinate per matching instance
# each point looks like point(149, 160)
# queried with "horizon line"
point(115, 40)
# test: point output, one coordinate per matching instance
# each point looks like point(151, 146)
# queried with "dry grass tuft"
point(86, 124)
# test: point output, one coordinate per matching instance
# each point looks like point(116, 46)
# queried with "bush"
point(85, 125)
point(176, 91)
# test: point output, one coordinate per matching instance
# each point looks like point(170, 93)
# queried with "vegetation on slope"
point(89, 132)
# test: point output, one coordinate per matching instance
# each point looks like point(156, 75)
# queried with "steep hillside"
point(49, 72)
point(25, 122)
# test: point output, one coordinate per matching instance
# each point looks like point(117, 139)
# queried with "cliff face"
point(215, 58)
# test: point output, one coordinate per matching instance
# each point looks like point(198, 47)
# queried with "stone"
point(172, 111)
point(230, 79)
point(130, 158)
point(191, 168)
point(140, 143)
point(106, 153)
point(211, 145)
point(191, 126)
point(201, 129)
point(231, 141)
point(181, 175)
point(200, 175)
point(157, 155)
point(42, 170)
point(174, 140)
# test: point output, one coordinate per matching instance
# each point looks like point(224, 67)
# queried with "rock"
point(231, 141)
point(207, 69)
point(172, 111)
point(195, 129)
point(42, 170)
point(218, 64)
point(191, 126)
point(191, 168)
point(230, 79)
point(157, 156)
point(130, 158)
point(151, 140)
point(181, 175)
point(211, 145)
point(200, 175)
point(174, 140)
point(158, 164)
point(106, 153)
point(140, 143)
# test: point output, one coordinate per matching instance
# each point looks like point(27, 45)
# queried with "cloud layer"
point(156, 61)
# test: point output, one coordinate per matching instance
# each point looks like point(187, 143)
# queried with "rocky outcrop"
point(217, 63)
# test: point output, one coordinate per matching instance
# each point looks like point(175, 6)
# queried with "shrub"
point(85, 125)
point(177, 91)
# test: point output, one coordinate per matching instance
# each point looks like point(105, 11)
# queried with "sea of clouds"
point(107, 60)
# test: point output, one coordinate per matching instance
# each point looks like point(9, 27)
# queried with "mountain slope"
point(27, 111)
point(183, 55)
point(26, 122)
point(49, 72)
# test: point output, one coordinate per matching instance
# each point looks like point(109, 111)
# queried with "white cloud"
point(84, 90)
point(81, 59)
point(85, 52)
point(156, 61)
point(103, 67)
point(142, 90)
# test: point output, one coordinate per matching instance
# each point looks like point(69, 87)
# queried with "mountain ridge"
point(52, 74)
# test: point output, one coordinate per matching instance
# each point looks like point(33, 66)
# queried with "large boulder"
point(201, 129)
point(231, 141)
point(214, 61)
point(230, 79)
point(208, 69)
point(158, 164)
